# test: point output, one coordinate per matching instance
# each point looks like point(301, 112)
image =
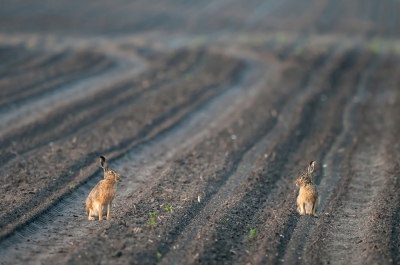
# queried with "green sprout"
point(375, 46)
point(188, 77)
point(252, 233)
point(298, 50)
point(71, 172)
point(168, 208)
point(72, 186)
point(226, 220)
point(152, 221)
point(159, 255)
point(30, 47)
point(280, 37)
point(126, 157)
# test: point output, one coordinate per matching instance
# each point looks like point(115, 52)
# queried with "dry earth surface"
point(210, 109)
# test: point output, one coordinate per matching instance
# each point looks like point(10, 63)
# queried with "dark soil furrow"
point(59, 124)
point(222, 252)
point(296, 234)
point(195, 211)
point(333, 158)
point(327, 134)
point(181, 174)
point(356, 208)
point(14, 56)
point(58, 206)
point(158, 125)
point(41, 61)
point(170, 239)
point(41, 88)
point(390, 209)
point(199, 226)
point(213, 108)
point(272, 202)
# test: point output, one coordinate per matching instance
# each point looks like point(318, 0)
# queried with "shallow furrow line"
point(240, 178)
point(160, 125)
point(295, 235)
point(274, 204)
point(236, 179)
point(59, 125)
point(195, 127)
point(331, 161)
point(354, 210)
point(28, 92)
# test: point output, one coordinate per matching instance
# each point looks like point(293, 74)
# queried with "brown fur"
point(102, 194)
point(307, 201)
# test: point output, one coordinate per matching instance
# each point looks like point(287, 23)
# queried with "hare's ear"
point(103, 162)
point(311, 167)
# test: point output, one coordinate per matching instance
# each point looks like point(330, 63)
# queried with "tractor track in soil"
point(189, 131)
point(211, 108)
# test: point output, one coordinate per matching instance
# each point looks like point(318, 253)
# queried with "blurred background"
point(211, 107)
point(365, 18)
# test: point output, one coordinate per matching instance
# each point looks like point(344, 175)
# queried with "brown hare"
point(102, 194)
point(307, 201)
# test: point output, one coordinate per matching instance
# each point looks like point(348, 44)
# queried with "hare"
point(102, 194)
point(307, 201)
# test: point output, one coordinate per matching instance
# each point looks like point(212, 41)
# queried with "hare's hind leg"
point(108, 211)
point(314, 208)
point(100, 211)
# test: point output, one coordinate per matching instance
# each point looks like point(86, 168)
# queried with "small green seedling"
point(252, 233)
point(153, 214)
point(72, 186)
point(375, 46)
point(126, 157)
point(188, 77)
point(159, 255)
point(71, 172)
point(280, 37)
point(168, 208)
point(152, 221)
point(81, 171)
point(30, 47)
point(298, 50)
point(226, 220)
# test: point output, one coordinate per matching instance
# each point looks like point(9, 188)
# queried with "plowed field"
point(213, 108)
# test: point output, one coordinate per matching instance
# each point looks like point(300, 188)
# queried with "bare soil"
point(213, 108)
